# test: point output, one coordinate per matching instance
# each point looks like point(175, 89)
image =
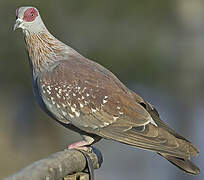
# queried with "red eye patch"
point(30, 15)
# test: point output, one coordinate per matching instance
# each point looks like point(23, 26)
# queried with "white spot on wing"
point(58, 96)
point(73, 109)
point(104, 101)
point(48, 91)
point(93, 110)
point(84, 89)
point(64, 113)
point(106, 124)
point(71, 115)
point(115, 118)
point(77, 114)
point(64, 90)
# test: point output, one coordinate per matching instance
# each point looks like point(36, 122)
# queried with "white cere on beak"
point(18, 24)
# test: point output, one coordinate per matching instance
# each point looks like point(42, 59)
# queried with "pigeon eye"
point(30, 14)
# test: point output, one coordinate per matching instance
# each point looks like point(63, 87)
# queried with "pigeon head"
point(29, 20)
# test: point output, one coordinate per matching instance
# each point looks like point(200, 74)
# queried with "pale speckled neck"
point(44, 49)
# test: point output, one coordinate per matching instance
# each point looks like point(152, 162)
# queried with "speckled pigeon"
point(87, 98)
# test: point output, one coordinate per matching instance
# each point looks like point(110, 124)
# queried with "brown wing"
point(87, 96)
point(90, 97)
point(155, 115)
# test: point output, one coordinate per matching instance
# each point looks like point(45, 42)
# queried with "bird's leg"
point(83, 145)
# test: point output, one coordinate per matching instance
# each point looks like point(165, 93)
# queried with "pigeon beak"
point(18, 23)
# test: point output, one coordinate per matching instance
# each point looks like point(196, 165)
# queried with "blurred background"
point(155, 47)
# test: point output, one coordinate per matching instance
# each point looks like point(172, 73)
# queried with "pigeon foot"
point(81, 146)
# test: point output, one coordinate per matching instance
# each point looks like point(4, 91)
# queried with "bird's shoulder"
point(80, 69)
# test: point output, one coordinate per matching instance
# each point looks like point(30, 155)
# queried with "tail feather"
point(185, 147)
point(183, 164)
